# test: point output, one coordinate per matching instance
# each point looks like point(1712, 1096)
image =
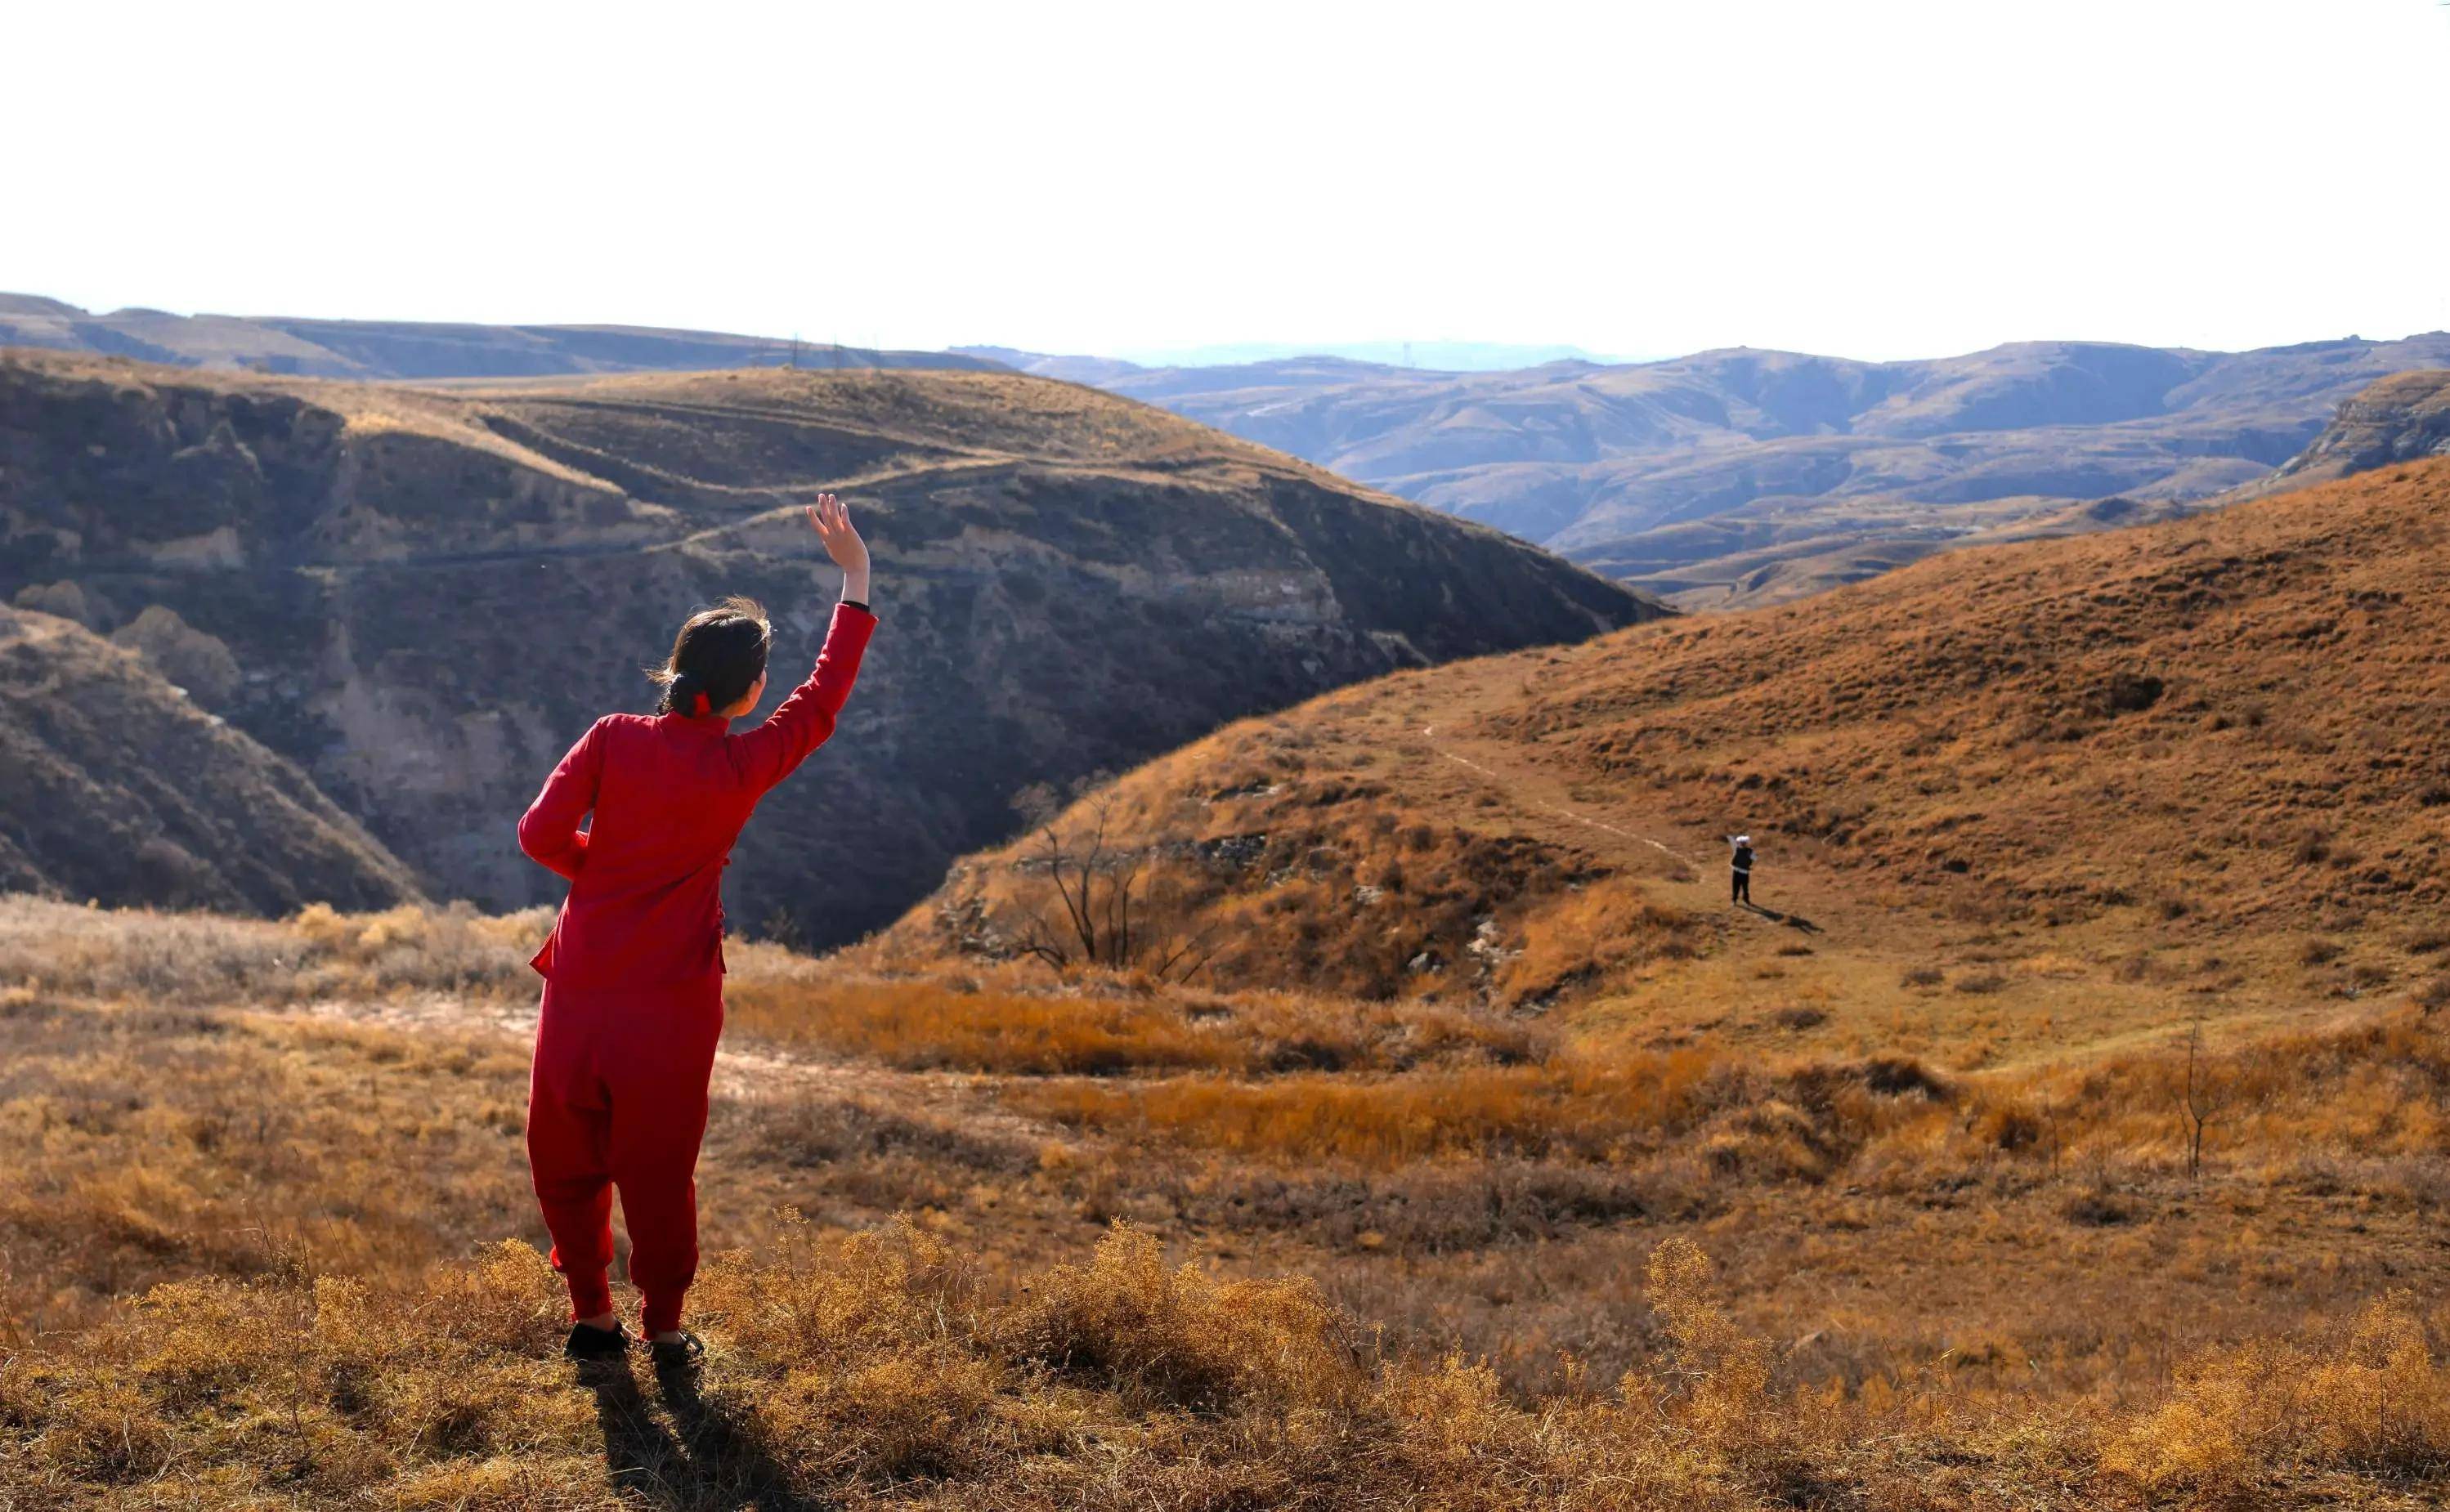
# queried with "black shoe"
point(681, 1354)
point(587, 1342)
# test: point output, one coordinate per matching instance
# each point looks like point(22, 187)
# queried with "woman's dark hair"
point(719, 655)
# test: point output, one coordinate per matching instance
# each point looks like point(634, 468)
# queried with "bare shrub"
point(1111, 906)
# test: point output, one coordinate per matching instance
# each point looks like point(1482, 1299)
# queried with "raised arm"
point(548, 830)
point(806, 720)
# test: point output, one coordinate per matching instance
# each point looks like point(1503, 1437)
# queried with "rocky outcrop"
point(2404, 417)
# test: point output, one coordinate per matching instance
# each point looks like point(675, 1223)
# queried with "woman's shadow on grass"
point(710, 1464)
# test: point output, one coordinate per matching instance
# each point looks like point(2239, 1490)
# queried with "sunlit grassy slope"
point(2015, 803)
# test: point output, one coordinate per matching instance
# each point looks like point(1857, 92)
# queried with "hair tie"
point(698, 706)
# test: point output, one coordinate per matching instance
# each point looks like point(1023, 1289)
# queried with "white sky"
point(1870, 178)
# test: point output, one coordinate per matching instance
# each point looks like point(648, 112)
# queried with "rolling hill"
point(422, 596)
point(1743, 477)
point(2011, 800)
point(411, 349)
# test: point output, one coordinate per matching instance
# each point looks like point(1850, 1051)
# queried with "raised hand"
point(832, 519)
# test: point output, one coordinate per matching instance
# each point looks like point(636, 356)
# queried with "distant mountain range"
point(411, 349)
point(1744, 476)
point(1450, 356)
point(1719, 480)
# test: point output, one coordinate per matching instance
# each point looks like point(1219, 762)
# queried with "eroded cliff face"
point(121, 785)
point(2404, 417)
point(428, 594)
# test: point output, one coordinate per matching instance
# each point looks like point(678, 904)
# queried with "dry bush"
point(1591, 934)
point(1718, 1375)
point(1182, 1338)
point(2374, 1403)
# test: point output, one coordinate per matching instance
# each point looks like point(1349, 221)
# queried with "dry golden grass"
point(166, 959)
point(1938, 1289)
point(146, 1144)
point(883, 1369)
point(1587, 1112)
point(924, 1024)
point(2375, 1091)
point(1098, 1025)
point(2223, 725)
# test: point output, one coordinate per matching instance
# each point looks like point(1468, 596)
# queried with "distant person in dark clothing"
point(1743, 891)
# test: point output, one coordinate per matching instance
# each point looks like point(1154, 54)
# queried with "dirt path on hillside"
point(1692, 869)
point(744, 1070)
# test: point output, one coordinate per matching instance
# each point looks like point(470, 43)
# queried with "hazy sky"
point(1868, 179)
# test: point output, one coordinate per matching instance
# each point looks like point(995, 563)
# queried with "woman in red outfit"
point(633, 969)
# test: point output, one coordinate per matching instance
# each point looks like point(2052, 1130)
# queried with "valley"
point(419, 596)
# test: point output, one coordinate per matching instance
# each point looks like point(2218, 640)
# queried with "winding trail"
point(1560, 809)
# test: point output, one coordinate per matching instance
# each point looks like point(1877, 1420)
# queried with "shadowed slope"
point(432, 591)
point(119, 786)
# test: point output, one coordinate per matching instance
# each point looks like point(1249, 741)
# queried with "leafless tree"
point(1110, 914)
point(2198, 1100)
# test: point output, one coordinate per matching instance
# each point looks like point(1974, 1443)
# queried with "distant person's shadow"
point(1790, 920)
point(710, 1463)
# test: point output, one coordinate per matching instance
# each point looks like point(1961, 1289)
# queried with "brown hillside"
point(423, 595)
point(118, 786)
point(2014, 799)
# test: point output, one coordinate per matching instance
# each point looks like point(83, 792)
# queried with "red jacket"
point(670, 794)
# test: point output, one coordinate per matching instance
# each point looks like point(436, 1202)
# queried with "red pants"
point(618, 1099)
